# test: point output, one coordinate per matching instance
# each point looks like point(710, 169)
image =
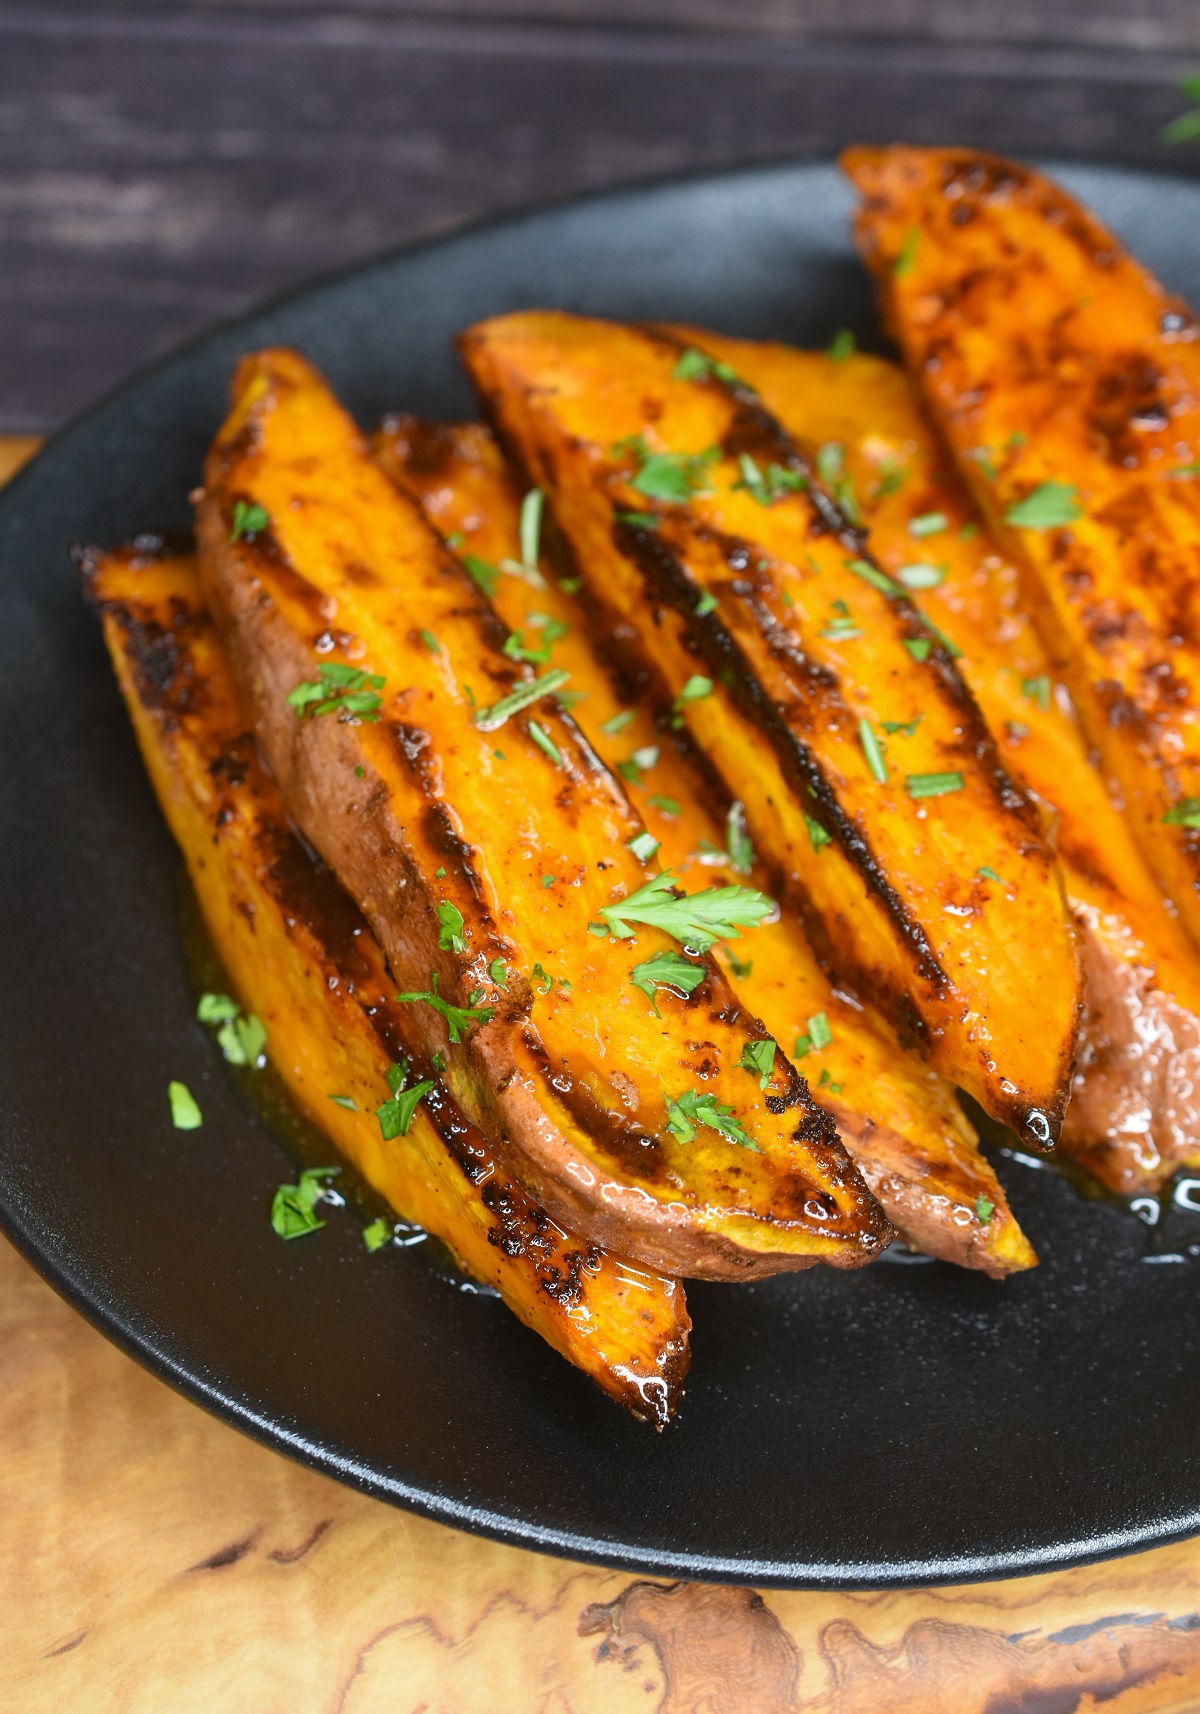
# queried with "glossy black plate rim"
point(120, 1323)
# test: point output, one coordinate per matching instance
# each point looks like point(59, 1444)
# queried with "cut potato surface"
point(901, 1123)
point(747, 597)
point(494, 855)
point(302, 958)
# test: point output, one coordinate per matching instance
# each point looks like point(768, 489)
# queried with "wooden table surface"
point(155, 1561)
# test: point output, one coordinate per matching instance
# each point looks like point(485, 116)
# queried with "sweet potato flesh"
point(901, 1123)
point(1048, 356)
point(300, 956)
point(811, 664)
point(429, 807)
point(1135, 1107)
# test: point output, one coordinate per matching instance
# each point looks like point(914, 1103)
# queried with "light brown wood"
point(153, 1561)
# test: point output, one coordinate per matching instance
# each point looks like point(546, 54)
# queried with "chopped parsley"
point(768, 486)
point(1037, 690)
point(450, 933)
point(636, 766)
point(871, 574)
point(498, 971)
point(918, 647)
point(819, 1035)
point(816, 833)
point(694, 690)
point(545, 742)
point(548, 881)
point(540, 975)
point(905, 727)
point(666, 970)
point(693, 1108)
point(185, 1111)
point(841, 630)
point(984, 1209)
point(664, 805)
point(741, 967)
point(293, 1208)
point(1185, 125)
point(696, 365)
point(706, 604)
point(737, 840)
point(249, 519)
point(758, 1058)
point(903, 265)
point(643, 846)
point(636, 521)
point(346, 1101)
point(670, 476)
point(458, 1018)
point(430, 642)
point(873, 751)
point(922, 576)
point(483, 574)
point(617, 722)
point(241, 1036)
point(697, 919)
point(377, 1234)
point(522, 696)
point(842, 345)
point(891, 476)
point(1185, 813)
point(928, 524)
point(826, 1082)
point(831, 467)
point(968, 532)
point(1185, 472)
point(396, 1115)
point(989, 874)
point(1048, 507)
point(338, 689)
point(933, 785)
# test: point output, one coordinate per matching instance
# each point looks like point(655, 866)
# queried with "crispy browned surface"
point(1134, 1115)
point(901, 1123)
point(985, 982)
point(303, 959)
point(1048, 354)
point(424, 808)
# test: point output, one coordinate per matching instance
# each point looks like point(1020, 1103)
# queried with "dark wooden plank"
point(161, 168)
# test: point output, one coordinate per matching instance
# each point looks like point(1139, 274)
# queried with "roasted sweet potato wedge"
point(502, 868)
point(791, 659)
point(900, 1122)
point(1067, 382)
point(303, 959)
point(1134, 1115)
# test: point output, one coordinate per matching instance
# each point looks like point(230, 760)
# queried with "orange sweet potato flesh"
point(1134, 1115)
point(301, 957)
point(901, 1123)
point(425, 808)
point(1047, 354)
point(984, 982)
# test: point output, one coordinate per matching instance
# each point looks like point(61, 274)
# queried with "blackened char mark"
point(669, 581)
point(638, 1152)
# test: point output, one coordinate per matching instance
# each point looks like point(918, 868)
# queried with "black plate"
point(906, 1424)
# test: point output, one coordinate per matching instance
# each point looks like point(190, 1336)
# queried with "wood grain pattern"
point(164, 166)
point(151, 1559)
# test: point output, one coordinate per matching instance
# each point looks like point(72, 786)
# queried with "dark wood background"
point(164, 165)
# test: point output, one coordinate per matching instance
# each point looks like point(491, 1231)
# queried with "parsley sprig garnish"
point(693, 1108)
point(697, 919)
point(670, 476)
point(293, 1208)
point(458, 1018)
point(338, 689)
point(666, 970)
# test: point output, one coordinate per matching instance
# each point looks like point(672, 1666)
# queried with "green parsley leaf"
point(903, 265)
point(706, 604)
point(907, 727)
point(984, 1209)
point(345, 1101)
point(989, 874)
point(816, 833)
point(696, 687)
point(1183, 128)
point(395, 1116)
point(696, 365)
point(540, 975)
point(617, 722)
point(517, 649)
point(1184, 472)
point(359, 772)
point(599, 929)
point(377, 1234)
point(871, 574)
point(396, 1076)
point(742, 968)
point(670, 476)
point(819, 1035)
point(483, 574)
point(891, 476)
point(216, 1009)
point(548, 881)
point(450, 934)
point(458, 1018)
point(248, 520)
point(643, 846)
point(826, 1082)
point(841, 631)
point(928, 524)
point(842, 345)
point(638, 764)
point(430, 642)
point(666, 970)
point(338, 689)
point(922, 576)
point(758, 1058)
point(697, 919)
point(831, 468)
point(545, 742)
point(933, 785)
point(737, 840)
point(521, 697)
point(918, 647)
point(242, 1039)
point(185, 1112)
point(498, 971)
point(1048, 507)
point(292, 1213)
point(1037, 690)
point(1185, 813)
point(873, 751)
point(636, 521)
point(692, 1108)
point(768, 486)
point(665, 805)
